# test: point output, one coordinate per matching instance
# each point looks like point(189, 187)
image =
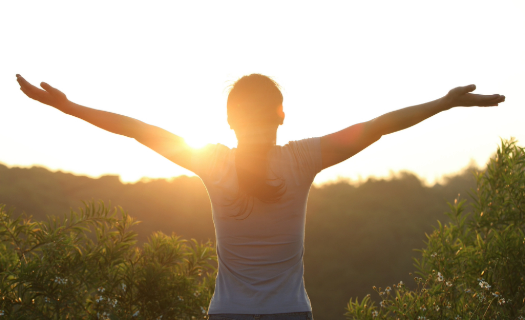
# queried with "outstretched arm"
point(341, 145)
point(161, 141)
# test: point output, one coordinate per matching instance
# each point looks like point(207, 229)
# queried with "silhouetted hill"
point(180, 205)
point(356, 236)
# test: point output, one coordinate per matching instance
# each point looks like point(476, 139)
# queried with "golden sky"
point(168, 63)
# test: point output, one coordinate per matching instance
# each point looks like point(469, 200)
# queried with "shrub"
point(60, 269)
point(474, 267)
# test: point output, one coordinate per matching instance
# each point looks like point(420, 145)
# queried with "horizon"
point(392, 175)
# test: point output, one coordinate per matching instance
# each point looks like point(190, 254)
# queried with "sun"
point(196, 141)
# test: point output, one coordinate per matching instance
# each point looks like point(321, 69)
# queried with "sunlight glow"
point(197, 142)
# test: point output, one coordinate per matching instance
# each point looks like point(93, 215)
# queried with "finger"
point(24, 90)
point(467, 89)
point(24, 83)
point(493, 97)
point(21, 80)
point(48, 88)
point(27, 88)
point(498, 99)
point(30, 90)
point(490, 100)
point(484, 97)
point(35, 95)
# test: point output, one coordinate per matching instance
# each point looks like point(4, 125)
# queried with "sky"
point(169, 63)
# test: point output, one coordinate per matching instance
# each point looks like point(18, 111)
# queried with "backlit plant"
point(474, 267)
point(86, 266)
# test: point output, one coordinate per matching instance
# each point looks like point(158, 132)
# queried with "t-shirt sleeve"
point(306, 155)
point(208, 159)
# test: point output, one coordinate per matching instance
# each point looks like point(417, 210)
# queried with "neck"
point(256, 136)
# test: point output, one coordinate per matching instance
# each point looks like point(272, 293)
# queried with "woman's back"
point(261, 251)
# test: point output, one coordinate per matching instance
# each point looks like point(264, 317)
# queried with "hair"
point(253, 103)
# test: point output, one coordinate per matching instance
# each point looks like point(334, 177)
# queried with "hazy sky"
point(168, 63)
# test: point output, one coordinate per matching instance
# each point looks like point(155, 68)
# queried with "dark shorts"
point(276, 316)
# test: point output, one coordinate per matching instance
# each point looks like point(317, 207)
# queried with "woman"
point(259, 190)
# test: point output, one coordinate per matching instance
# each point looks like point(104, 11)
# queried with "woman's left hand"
point(461, 97)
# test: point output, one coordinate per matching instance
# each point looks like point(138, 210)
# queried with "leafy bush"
point(60, 269)
point(474, 267)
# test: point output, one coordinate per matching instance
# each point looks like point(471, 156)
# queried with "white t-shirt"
point(260, 258)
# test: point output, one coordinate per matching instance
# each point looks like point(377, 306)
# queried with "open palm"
point(461, 97)
point(49, 95)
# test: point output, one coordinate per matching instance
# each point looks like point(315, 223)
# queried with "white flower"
point(104, 315)
point(457, 317)
point(423, 308)
point(449, 305)
point(60, 280)
point(449, 284)
point(484, 284)
point(468, 290)
point(124, 287)
point(375, 313)
point(159, 317)
point(434, 255)
point(401, 283)
point(181, 298)
point(501, 301)
point(1, 312)
point(136, 314)
point(440, 277)
point(388, 289)
point(436, 308)
point(203, 310)
point(382, 304)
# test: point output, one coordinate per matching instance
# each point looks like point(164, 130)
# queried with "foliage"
point(59, 269)
point(369, 232)
point(474, 267)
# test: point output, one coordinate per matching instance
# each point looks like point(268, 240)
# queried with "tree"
point(474, 267)
point(59, 269)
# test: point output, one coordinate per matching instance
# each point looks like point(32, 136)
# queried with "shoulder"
point(309, 145)
point(209, 151)
point(305, 153)
point(208, 157)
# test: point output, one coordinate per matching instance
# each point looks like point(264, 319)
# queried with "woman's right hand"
point(49, 95)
